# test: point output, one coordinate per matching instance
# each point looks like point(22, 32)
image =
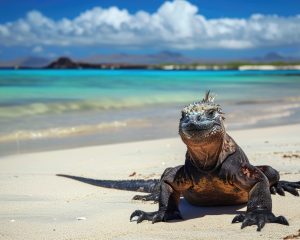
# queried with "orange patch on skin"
point(228, 148)
point(214, 192)
point(246, 171)
point(251, 173)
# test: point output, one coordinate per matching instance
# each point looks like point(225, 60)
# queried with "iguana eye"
point(219, 110)
point(211, 113)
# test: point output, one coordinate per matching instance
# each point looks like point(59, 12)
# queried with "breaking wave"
point(61, 132)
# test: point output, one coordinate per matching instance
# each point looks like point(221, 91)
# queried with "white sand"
point(36, 204)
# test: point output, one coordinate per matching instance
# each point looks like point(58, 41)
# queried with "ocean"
point(54, 109)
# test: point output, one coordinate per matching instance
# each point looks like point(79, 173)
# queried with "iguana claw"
point(282, 186)
point(158, 216)
point(259, 218)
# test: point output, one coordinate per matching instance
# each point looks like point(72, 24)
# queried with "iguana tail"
point(137, 185)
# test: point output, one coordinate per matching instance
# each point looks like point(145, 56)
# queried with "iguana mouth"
point(192, 126)
point(192, 129)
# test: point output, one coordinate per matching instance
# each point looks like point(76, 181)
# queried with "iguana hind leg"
point(149, 197)
point(154, 195)
point(277, 186)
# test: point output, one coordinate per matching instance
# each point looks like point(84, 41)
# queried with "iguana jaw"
point(201, 131)
point(202, 134)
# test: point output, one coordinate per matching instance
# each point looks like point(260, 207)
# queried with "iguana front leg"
point(172, 183)
point(259, 207)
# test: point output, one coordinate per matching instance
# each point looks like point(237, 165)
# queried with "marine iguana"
point(216, 172)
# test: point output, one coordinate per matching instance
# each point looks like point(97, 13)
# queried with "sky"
point(221, 29)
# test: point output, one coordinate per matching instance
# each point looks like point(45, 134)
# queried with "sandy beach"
point(96, 93)
point(36, 204)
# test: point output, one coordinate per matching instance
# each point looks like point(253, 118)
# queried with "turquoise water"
point(41, 91)
point(58, 104)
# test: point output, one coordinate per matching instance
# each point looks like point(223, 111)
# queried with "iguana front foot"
point(158, 216)
point(281, 186)
point(259, 218)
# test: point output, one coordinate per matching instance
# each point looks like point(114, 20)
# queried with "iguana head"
point(202, 121)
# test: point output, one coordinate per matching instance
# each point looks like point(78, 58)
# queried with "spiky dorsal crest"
point(208, 98)
point(206, 104)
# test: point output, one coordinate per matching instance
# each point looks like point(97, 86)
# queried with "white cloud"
point(37, 49)
point(176, 24)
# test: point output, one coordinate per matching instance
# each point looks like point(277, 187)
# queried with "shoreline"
point(38, 145)
point(35, 204)
point(68, 64)
point(80, 129)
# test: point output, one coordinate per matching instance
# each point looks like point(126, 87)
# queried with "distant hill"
point(274, 57)
point(35, 62)
point(67, 63)
point(63, 63)
point(30, 62)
